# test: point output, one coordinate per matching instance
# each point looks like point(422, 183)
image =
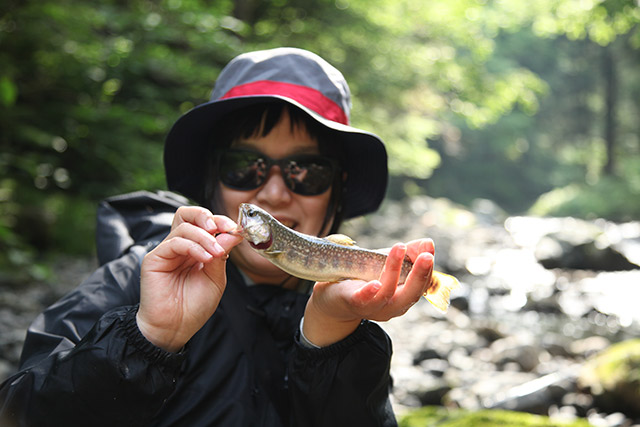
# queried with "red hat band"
point(304, 95)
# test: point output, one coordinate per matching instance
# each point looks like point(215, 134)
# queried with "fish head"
point(256, 226)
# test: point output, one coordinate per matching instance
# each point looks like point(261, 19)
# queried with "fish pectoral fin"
point(341, 239)
point(439, 293)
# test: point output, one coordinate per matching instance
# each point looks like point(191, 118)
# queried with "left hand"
point(336, 309)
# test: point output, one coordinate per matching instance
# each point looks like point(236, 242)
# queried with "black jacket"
point(85, 362)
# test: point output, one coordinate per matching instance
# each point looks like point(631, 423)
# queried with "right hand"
point(182, 280)
point(335, 310)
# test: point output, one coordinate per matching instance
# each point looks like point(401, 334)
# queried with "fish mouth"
point(238, 231)
point(253, 226)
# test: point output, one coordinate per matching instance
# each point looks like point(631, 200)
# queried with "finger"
point(416, 247)
point(201, 237)
point(391, 271)
point(418, 280)
point(190, 214)
point(204, 219)
point(228, 241)
point(366, 293)
point(177, 247)
point(224, 224)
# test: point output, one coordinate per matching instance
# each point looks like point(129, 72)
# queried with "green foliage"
point(504, 162)
point(525, 155)
point(432, 416)
point(610, 197)
point(87, 95)
point(501, 99)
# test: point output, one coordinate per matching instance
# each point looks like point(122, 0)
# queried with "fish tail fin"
point(440, 291)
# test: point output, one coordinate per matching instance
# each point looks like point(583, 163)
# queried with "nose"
point(274, 191)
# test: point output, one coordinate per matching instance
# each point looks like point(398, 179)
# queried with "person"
point(184, 323)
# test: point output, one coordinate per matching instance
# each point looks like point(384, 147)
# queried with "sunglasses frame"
point(283, 164)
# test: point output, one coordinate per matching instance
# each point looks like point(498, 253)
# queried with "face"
point(302, 213)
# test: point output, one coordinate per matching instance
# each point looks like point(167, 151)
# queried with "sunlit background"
point(513, 134)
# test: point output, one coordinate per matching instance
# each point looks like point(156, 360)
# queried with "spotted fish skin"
point(329, 259)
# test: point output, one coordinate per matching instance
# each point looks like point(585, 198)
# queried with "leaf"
point(8, 91)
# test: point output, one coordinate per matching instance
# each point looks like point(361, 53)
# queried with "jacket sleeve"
point(85, 361)
point(347, 383)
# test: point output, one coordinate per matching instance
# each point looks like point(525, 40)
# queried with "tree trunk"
point(611, 89)
point(245, 10)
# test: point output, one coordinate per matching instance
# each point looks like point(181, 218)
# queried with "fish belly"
point(330, 263)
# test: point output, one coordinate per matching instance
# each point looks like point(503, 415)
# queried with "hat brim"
point(186, 149)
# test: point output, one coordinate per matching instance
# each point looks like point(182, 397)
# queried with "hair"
point(259, 120)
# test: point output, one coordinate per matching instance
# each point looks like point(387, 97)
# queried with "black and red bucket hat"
point(300, 78)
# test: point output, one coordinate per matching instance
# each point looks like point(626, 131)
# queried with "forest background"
point(533, 105)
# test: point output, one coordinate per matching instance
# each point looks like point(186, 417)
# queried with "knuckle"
point(181, 228)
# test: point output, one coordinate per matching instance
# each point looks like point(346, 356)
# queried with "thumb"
point(228, 241)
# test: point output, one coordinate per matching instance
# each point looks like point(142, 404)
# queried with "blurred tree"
point(586, 53)
point(89, 90)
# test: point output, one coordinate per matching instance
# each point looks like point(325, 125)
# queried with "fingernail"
point(228, 226)
point(218, 249)
point(400, 247)
point(210, 224)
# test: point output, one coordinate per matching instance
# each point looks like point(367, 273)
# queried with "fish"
point(326, 259)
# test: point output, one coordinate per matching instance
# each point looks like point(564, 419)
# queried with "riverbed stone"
point(613, 377)
point(512, 322)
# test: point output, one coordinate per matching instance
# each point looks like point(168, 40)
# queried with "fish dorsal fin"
point(341, 239)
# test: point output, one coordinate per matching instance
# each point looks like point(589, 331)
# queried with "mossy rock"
point(441, 417)
point(613, 377)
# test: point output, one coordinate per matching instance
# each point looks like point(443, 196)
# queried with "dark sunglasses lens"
point(308, 175)
point(242, 170)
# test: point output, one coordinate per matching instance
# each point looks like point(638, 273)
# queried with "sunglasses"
point(304, 174)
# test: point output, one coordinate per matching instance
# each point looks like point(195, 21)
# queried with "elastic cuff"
point(140, 342)
point(360, 334)
point(304, 341)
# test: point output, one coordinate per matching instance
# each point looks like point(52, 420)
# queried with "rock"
point(418, 388)
point(537, 395)
point(552, 252)
point(490, 333)
point(511, 350)
point(587, 347)
point(432, 391)
point(488, 212)
point(581, 402)
point(556, 346)
point(435, 367)
point(563, 414)
point(460, 302)
point(481, 388)
point(425, 354)
point(613, 377)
